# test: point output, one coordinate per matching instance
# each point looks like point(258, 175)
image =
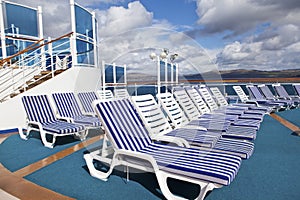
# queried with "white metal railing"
point(21, 74)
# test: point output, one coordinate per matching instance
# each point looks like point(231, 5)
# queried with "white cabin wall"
point(75, 79)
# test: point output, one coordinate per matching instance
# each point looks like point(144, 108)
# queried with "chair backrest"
point(219, 96)
point(121, 93)
point(255, 93)
point(197, 99)
point(266, 91)
point(66, 104)
point(297, 88)
point(208, 98)
point(122, 124)
point(186, 104)
point(38, 108)
point(105, 94)
point(240, 92)
point(86, 99)
point(172, 109)
point(151, 114)
point(280, 90)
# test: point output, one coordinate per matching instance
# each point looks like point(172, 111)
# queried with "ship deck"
point(30, 171)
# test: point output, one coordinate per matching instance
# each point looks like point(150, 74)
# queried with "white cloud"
point(273, 26)
point(118, 19)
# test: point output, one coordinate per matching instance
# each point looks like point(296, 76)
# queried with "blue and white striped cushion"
point(62, 127)
point(87, 120)
point(86, 99)
point(38, 108)
point(240, 132)
point(196, 137)
point(127, 132)
point(66, 104)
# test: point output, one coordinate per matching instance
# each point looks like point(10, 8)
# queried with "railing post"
point(2, 31)
point(158, 74)
point(41, 36)
point(95, 32)
point(50, 49)
point(103, 73)
point(74, 35)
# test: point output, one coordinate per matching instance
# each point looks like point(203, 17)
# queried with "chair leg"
point(82, 134)
point(22, 135)
point(162, 181)
point(204, 190)
point(97, 173)
point(45, 141)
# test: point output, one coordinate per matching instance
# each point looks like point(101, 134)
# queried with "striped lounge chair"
point(297, 88)
point(265, 90)
point(156, 124)
point(215, 121)
point(260, 98)
point(134, 148)
point(68, 109)
point(241, 112)
point(40, 117)
point(283, 94)
point(262, 105)
point(86, 99)
point(251, 108)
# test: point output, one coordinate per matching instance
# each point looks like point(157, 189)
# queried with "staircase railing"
point(20, 74)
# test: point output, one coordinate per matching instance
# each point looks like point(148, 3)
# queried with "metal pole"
point(2, 30)
point(73, 36)
point(41, 36)
point(95, 32)
point(158, 75)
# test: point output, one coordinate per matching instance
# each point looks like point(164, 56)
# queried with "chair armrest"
point(141, 156)
point(252, 102)
point(170, 139)
point(66, 119)
point(38, 124)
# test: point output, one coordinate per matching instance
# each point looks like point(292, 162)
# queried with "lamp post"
point(164, 55)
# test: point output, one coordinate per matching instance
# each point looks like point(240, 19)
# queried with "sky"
point(207, 34)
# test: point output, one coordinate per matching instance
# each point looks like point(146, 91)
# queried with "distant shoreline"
point(238, 80)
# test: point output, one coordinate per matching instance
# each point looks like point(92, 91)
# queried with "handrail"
point(29, 61)
point(32, 47)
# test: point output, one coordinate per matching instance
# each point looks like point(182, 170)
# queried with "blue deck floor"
point(271, 173)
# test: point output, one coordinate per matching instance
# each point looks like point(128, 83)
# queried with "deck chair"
point(213, 106)
point(283, 94)
point(265, 90)
point(239, 114)
point(245, 99)
point(121, 93)
point(160, 129)
point(297, 88)
point(134, 148)
point(214, 122)
point(190, 110)
point(221, 100)
point(86, 99)
point(250, 110)
point(240, 148)
point(69, 110)
point(105, 94)
point(40, 117)
point(258, 96)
